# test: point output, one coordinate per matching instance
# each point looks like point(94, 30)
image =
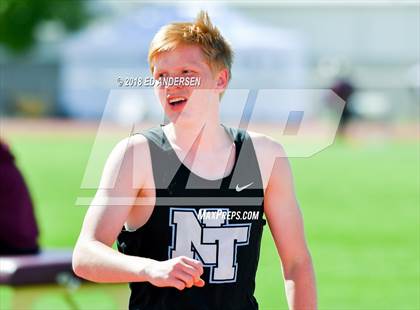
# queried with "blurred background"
point(62, 111)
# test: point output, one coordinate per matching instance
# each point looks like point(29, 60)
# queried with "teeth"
point(175, 99)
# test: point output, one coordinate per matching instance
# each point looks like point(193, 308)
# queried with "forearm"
point(97, 262)
point(301, 287)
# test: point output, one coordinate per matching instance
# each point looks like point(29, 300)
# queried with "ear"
point(222, 80)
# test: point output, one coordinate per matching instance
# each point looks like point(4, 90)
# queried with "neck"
point(208, 137)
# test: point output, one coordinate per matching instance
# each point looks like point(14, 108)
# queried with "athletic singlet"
point(219, 222)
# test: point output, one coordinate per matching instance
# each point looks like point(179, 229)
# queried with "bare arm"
point(94, 258)
point(285, 221)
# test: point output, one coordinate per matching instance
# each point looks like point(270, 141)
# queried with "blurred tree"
point(19, 19)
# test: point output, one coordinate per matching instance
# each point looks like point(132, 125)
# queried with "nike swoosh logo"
point(240, 188)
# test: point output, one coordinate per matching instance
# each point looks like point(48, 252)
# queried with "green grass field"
point(360, 205)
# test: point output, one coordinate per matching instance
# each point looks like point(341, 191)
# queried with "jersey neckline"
point(234, 139)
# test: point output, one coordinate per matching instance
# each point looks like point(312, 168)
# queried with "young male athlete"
point(185, 200)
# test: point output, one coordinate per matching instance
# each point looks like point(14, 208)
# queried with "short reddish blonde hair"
point(201, 32)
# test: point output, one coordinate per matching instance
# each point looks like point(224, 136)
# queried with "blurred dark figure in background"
point(18, 228)
point(344, 88)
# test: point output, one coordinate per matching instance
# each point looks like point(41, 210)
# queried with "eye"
point(186, 71)
point(160, 75)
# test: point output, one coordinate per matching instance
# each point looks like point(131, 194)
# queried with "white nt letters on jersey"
point(213, 241)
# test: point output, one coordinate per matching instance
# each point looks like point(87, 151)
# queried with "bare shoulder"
point(267, 151)
point(128, 155)
point(135, 145)
point(137, 141)
point(267, 145)
point(135, 149)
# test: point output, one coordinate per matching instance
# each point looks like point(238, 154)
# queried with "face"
point(182, 103)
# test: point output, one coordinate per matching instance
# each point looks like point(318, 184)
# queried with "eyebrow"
point(184, 67)
point(189, 64)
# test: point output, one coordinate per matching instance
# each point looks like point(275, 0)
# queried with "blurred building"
point(93, 60)
point(29, 84)
point(277, 46)
point(373, 43)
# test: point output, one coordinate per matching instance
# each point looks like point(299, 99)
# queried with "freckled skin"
point(188, 61)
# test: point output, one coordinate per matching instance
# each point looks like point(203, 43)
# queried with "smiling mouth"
point(177, 101)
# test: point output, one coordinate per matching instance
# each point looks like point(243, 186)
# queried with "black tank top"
point(219, 222)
